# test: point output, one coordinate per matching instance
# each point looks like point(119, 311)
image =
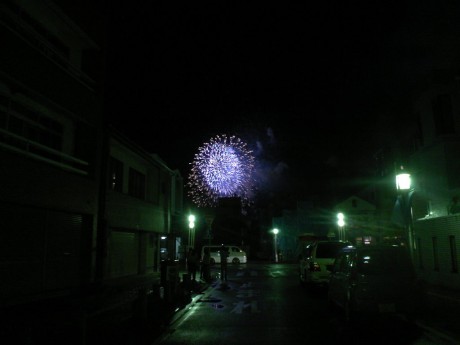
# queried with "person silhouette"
point(206, 265)
point(223, 263)
point(192, 263)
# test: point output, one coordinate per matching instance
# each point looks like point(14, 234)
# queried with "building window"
point(136, 184)
point(115, 175)
point(35, 33)
point(453, 254)
point(31, 129)
point(28, 125)
point(435, 254)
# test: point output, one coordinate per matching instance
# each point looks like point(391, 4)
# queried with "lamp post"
point(209, 218)
point(275, 232)
point(191, 226)
point(341, 224)
point(403, 186)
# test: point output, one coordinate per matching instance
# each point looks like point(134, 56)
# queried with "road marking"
point(240, 306)
point(277, 274)
point(246, 293)
point(254, 308)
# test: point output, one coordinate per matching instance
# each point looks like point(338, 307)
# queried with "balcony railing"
point(29, 148)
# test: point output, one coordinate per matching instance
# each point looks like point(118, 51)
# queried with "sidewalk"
point(199, 292)
point(441, 314)
point(161, 315)
point(166, 302)
point(118, 311)
point(444, 293)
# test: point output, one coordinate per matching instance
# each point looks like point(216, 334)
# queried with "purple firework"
point(223, 167)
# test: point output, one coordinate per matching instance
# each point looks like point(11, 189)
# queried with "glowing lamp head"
point(403, 181)
point(191, 221)
point(340, 219)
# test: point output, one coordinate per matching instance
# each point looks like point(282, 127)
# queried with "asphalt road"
point(264, 303)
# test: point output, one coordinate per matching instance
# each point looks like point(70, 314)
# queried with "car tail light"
point(314, 267)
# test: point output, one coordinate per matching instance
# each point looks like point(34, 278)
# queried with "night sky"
point(307, 85)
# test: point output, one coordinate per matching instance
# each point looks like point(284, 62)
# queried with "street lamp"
point(275, 232)
point(403, 186)
point(403, 181)
point(191, 226)
point(341, 224)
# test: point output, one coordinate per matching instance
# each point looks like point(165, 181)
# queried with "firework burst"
point(223, 167)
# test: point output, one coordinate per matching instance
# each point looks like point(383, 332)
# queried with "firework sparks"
point(223, 167)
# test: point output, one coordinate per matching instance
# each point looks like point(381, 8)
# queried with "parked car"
point(316, 260)
point(235, 254)
point(373, 280)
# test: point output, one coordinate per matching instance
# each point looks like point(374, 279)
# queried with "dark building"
point(85, 212)
point(50, 128)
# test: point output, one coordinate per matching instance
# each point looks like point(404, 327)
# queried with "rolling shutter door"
point(39, 250)
point(124, 249)
point(63, 247)
point(21, 250)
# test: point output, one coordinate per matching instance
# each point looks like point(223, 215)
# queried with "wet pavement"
point(440, 316)
point(127, 323)
point(441, 313)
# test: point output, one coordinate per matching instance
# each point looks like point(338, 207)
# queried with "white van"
point(235, 254)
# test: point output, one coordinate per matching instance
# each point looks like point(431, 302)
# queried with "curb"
point(443, 296)
point(435, 335)
point(178, 314)
point(182, 311)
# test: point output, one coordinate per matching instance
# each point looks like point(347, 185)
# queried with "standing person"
point(223, 263)
point(206, 265)
point(192, 263)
